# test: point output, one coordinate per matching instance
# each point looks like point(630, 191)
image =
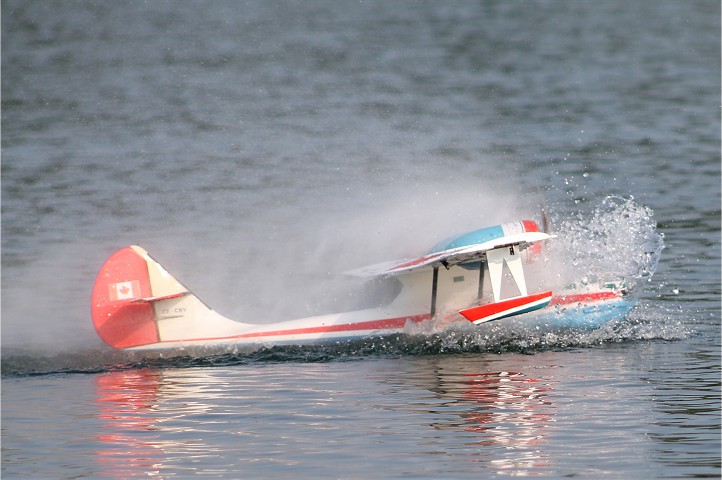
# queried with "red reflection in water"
point(126, 401)
point(510, 410)
point(507, 395)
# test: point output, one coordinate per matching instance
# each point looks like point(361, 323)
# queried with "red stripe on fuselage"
point(384, 324)
point(347, 327)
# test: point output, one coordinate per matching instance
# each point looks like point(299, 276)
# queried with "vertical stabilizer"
point(137, 302)
point(120, 320)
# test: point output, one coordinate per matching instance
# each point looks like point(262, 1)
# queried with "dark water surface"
point(257, 149)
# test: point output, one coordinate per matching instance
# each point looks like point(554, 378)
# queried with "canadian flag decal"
point(124, 290)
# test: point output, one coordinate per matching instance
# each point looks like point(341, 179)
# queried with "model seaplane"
point(138, 305)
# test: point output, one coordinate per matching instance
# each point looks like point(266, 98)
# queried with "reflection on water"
point(501, 418)
point(126, 402)
point(552, 413)
point(512, 411)
point(572, 413)
point(157, 421)
point(161, 421)
point(507, 410)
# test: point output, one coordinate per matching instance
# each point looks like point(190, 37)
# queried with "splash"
point(617, 240)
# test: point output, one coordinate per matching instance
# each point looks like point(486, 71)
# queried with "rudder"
point(126, 288)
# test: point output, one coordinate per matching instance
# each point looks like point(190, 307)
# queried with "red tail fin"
point(120, 320)
point(136, 302)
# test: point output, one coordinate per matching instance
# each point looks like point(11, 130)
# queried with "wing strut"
point(434, 289)
point(481, 279)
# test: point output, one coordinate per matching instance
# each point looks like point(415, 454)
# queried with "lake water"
point(257, 149)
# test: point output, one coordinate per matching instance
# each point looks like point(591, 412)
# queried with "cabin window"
point(379, 292)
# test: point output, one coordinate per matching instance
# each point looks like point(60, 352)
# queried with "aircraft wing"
point(453, 256)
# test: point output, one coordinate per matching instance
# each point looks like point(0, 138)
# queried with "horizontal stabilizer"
point(163, 297)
